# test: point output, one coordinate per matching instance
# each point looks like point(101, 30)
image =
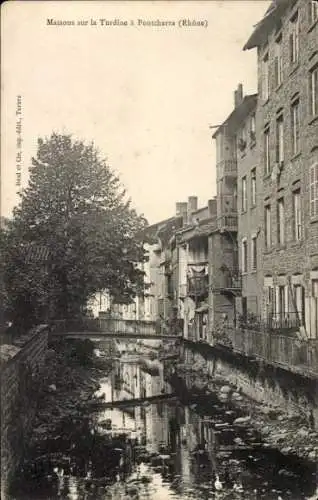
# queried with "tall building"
point(286, 40)
point(235, 158)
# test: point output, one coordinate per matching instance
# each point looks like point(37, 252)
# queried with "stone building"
point(287, 136)
point(192, 242)
point(236, 162)
point(249, 180)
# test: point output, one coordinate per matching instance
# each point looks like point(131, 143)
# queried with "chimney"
point(212, 207)
point(192, 204)
point(192, 207)
point(238, 95)
point(182, 210)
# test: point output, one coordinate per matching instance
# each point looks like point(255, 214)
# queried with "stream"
point(183, 447)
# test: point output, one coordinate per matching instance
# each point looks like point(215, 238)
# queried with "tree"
point(76, 208)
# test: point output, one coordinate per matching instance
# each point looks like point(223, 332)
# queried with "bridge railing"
point(114, 325)
point(128, 326)
point(75, 325)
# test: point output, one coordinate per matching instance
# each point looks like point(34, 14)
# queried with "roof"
point(201, 230)
point(239, 113)
point(164, 229)
point(268, 23)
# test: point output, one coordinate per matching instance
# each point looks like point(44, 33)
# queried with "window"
point(295, 126)
point(280, 139)
point(280, 222)
point(278, 62)
point(313, 11)
point(254, 253)
point(297, 215)
point(313, 91)
point(294, 39)
point(314, 190)
point(253, 187)
point(299, 302)
point(265, 79)
point(242, 139)
point(219, 147)
point(271, 302)
point(244, 195)
point(253, 128)
point(244, 255)
point(281, 300)
point(268, 227)
point(267, 165)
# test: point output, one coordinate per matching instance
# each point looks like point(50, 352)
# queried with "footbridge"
point(126, 403)
point(113, 328)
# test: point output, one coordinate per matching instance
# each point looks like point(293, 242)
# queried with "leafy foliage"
point(75, 208)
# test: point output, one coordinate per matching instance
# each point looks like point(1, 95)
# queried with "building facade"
point(287, 134)
point(234, 283)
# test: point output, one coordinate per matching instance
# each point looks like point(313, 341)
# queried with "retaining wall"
point(259, 381)
point(20, 365)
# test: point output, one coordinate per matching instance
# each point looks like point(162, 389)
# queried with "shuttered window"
point(314, 190)
point(294, 39)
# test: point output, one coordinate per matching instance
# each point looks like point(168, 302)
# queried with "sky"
point(146, 95)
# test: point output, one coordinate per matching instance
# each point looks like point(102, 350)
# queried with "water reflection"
point(167, 450)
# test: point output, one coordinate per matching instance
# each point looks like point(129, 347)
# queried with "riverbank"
point(69, 381)
point(291, 434)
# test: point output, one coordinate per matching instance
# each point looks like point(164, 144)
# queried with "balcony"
point(287, 322)
point(198, 286)
point(227, 222)
point(227, 168)
point(229, 281)
point(227, 212)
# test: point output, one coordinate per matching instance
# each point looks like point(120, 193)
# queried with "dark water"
point(173, 449)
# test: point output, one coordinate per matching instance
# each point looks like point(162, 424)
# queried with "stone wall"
point(260, 382)
point(20, 364)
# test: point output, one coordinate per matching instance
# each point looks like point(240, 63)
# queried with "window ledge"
point(313, 119)
point(253, 271)
point(294, 157)
point(313, 219)
point(298, 243)
point(281, 247)
point(252, 207)
point(243, 212)
point(268, 250)
point(313, 24)
point(294, 68)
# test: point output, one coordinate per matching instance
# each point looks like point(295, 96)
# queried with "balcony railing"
point(198, 286)
point(288, 352)
point(230, 279)
point(284, 322)
point(228, 222)
point(229, 167)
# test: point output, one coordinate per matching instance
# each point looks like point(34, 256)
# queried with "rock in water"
point(242, 420)
point(225, 389)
